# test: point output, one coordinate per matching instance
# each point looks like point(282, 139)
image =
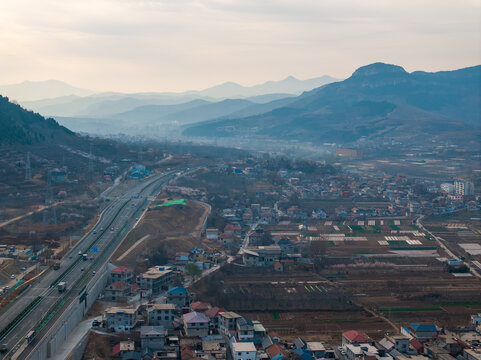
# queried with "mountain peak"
point(378, 68)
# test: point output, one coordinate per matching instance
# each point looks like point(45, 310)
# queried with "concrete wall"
point(70, 319)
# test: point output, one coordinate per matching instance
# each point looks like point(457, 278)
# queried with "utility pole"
point(90, 168)
point(140, 154)
point(28, 169)
point(49, 203)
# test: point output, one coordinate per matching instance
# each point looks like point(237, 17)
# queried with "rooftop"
point(161, 306)
point(195, 317)
point(355, 336)
point(229, 315)
point(243, 346)
point(120, 310)
point(177, 290)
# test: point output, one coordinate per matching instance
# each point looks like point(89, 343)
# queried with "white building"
point(212, 233)
point(155, 279)
point(447, 188)
point(121, 319)
point(227, 322)
point(161, 315)
point(196, 324)
point(243, 351)
point(463, 187)
point(152, 337)
point(476, 319)
point(261, 255)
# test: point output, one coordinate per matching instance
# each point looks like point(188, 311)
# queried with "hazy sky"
point(174, 45)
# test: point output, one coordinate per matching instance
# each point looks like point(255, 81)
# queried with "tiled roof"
point(355, 336)
point(177, 290)
point(120, 269)
point(195, 317)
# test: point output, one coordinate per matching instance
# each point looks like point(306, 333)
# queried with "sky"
point(178, 45)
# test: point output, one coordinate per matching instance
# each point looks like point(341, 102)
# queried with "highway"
point(42, 304)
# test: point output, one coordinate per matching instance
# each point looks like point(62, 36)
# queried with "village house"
point(245, 329)
point(118, 291)
point(196, 324)
point(228, 322)
point(122, 273)
point(261, 255)
point(421, 332)
point(243, 351)
point(123, 348)
point(354, 337)
point(212, 233)
point(152, 337)
point(161, 314)
point(155, 279)
point(121, 319)
point(178, 296)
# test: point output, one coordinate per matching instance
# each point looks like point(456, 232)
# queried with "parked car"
point(95, 323)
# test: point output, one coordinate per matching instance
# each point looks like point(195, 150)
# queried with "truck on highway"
point(85, 257)
point(62, 286)
point(30, 336)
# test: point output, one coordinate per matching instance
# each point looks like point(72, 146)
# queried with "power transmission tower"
point(140, 154)
point(91, 161)
point(90, 168)
point(49, 204)
point(28, 169)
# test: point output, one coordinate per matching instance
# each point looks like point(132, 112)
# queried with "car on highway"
point(93, 273)
point(12, 276)
point(111, 229)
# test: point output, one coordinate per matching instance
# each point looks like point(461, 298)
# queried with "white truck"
point(62, 286)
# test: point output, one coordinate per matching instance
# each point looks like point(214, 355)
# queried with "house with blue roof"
point(421, 332)
point(178, 296)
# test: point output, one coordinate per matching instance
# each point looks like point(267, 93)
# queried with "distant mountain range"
point(37, 90)
point(289, 85)
point(377, 101)
point(55, 98)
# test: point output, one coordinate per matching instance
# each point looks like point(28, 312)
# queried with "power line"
point(28, 169)
point(49, 213)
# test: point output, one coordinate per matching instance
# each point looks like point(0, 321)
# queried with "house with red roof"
point(355, 337)
point(276, 351)
point(122, 347)
point(232, 229)
point(122, 273)
point(200, 306)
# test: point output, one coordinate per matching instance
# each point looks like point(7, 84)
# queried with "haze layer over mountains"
point(378, 102)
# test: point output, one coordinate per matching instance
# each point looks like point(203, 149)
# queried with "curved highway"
point(42, 304)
